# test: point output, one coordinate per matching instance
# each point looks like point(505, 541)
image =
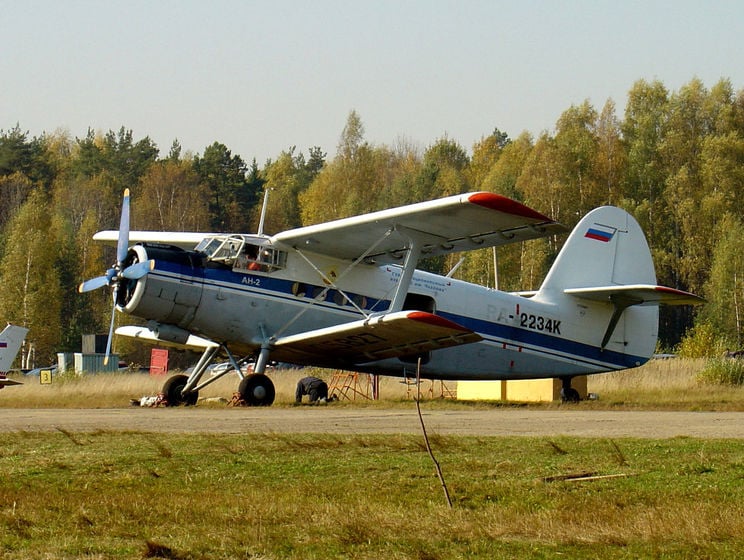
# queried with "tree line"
point(673, 159)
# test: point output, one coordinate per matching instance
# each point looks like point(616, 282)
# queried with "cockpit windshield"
point(222, 248)
point(243, 253)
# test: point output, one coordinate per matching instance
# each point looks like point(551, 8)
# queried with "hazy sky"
point(263, 76)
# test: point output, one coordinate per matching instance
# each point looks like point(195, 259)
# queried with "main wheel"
point(257, 390)
point(172, 389)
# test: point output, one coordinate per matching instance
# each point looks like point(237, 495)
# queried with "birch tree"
point(29, 275)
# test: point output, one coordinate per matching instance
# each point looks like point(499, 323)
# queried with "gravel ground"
point(330, 420)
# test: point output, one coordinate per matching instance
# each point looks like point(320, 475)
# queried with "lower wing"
point(395, 335)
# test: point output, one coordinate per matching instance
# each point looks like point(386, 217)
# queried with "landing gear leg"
point(182, 389)
point(262, 360)
point(568, 393)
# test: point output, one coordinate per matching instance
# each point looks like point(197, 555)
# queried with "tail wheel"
point(568, 393)
point(257, 390)
point(173, 392)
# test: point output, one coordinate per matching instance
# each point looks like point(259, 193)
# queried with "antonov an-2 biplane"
point(346, 294)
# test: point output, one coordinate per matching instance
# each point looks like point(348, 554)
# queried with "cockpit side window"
point(243, 253)
point(272, 258)
point(248, 259)
point(261, 258)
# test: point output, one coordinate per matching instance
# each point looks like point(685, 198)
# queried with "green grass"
point(265, 496)
point(140, 495)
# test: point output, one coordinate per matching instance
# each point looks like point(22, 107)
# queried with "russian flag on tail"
point(600, 233)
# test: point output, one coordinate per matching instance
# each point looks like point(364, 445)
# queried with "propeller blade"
point(99, 282)
point(123, 243)
point(93, 284)
point(138, 270)
point(111, 328)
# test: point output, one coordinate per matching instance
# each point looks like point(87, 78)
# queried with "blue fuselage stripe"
point(550, 345)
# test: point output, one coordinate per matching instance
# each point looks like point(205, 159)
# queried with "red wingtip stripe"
point(435, 320)
point(506, 205)
point(674, 291)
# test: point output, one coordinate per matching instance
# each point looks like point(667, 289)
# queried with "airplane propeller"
point(117, 272)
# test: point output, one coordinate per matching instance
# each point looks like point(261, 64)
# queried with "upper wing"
point(638, 294)
point(456, 223)
point(182, 239)
point(404, 333)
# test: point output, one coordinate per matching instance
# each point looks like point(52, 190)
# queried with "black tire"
point(172, 390)
point(570, 395)
point(257, 390)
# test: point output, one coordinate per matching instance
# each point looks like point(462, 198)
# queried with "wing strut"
point(331, 283)
point(409, 267)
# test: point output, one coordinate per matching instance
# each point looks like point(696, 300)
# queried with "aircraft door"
point(418, 302)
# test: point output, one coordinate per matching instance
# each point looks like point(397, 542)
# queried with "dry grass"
point(660, 384)
point(111, 390)
point(671, 383)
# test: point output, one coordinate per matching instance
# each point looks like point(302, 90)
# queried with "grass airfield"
point(106, 494)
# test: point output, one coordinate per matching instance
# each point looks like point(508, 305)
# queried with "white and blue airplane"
point(11, 340)
point(346, 294)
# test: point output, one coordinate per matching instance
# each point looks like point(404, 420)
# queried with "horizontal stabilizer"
point(190, 342)
point(638, 294)
point(404, 333)
point(5, 382)
point(622, 297)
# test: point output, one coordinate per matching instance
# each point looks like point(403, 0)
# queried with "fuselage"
point(240, 307)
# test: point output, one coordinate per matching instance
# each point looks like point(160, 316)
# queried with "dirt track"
point(330, 420)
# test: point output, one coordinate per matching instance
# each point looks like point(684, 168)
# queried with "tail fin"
point(606, 247)
point(10, 343)
point(604, 279)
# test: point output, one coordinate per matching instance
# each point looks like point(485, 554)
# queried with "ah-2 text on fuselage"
point(346, 294)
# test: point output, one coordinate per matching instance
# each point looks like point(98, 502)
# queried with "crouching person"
point(315, 388)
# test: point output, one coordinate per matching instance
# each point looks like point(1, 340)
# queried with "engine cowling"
point(170, 293)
